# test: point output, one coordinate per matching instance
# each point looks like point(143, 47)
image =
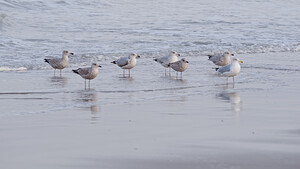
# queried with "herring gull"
point(88, 73)
point(179, 66)
point(231, 69)
point(220, 59)
point(165, 60)
point(127, 62)
point(59, 63)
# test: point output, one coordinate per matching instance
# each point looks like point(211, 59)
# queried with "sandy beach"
point(153, 121)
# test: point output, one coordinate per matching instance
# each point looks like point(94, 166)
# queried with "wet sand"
point(152, 121)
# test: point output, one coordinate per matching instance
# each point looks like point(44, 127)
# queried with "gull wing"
point(83, 71)
point(175, 65)
point(54, 62)
point(162, 59)
point(224, 69)
point(122, 61)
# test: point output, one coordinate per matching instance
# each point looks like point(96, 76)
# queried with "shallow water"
point(95, 31)
point(153, 121)
point(148, 82)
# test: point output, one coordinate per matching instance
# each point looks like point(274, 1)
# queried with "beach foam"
point(12, 69)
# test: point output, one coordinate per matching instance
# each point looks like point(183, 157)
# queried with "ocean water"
point(99, 31)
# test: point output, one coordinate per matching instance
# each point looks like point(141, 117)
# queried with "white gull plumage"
point(127, 62)
point(231, 69)
point(166, 60)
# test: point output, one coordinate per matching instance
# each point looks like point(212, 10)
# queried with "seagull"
point(231, 69)
point(179, 66)
point(88, 73)
point(220, 59)
point(127, 62)
point(59, 63)
point(165, 60)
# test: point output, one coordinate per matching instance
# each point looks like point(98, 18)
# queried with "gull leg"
point(165, 71)
point(176, 75)
point(169, 71)
point(89, 83)
point(54, 72)
point(128, 72)
point(60, 72)
point(84, 83)
point(181, 75)
point(123, 72)
point(233, 81)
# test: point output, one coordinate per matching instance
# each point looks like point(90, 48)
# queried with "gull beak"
point(100, 66)
point(178, 54)
point(241, 61)
point(138, 56)
point(187, 61)
point(72, 53)
point(232, 54)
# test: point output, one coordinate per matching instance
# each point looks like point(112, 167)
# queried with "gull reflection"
point(90, 100)
point(58, 81)
point(2, 17)
point(233, 98)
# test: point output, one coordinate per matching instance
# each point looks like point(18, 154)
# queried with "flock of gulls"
point(230, 66)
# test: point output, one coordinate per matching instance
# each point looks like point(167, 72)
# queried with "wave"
point(12, 69)
point(274, 68)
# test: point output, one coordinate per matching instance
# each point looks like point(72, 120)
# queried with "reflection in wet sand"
point(90, 99)
point(233, 98)
point(129, 79)
point(58, 81)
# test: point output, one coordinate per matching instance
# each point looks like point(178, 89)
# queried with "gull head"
point(228, 54)
point(184, 60)
point(65, 52)
point(175, 53)
point(134, 55)
point(95, 65)
point(237, 60)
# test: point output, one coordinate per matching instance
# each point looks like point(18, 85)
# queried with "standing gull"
point(127, 62)
point(166, 60)
point(220, 59)
point(59, 63)
point(88, 73)
point(179, 66)
point(231, 69)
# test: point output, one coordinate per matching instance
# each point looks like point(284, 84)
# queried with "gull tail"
point(169, 65)
point(209, 56)
point(46, 60)
point(216, 68)
point(155, 60)
point(114, 62)
point(75, 71)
